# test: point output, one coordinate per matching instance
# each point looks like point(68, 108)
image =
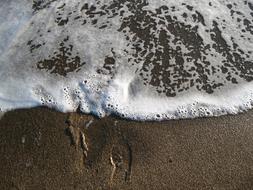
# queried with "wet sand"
point(44, 149)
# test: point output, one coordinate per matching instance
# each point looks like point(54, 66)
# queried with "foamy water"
point(140, 59)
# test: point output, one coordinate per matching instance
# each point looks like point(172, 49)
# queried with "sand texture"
point(44, 149)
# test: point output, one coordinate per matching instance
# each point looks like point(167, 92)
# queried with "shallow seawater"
point(140, 59)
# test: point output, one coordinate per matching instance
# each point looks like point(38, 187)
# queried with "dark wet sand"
point(44, 149)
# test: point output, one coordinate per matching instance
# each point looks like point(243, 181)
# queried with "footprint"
point(121, 161)
point(78, 140)
point(73, 134)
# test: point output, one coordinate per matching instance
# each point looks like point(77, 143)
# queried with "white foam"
point(123, 92)
point(189, 105)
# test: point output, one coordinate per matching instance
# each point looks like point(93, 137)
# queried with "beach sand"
point(44, 149)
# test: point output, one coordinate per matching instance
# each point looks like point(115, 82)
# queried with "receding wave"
point(140, 59)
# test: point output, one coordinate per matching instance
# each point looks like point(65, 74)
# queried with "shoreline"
point(46, 149)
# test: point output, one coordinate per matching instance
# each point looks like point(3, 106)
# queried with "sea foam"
point(142, 59)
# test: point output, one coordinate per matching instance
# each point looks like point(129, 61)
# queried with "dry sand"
point(44, 149)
